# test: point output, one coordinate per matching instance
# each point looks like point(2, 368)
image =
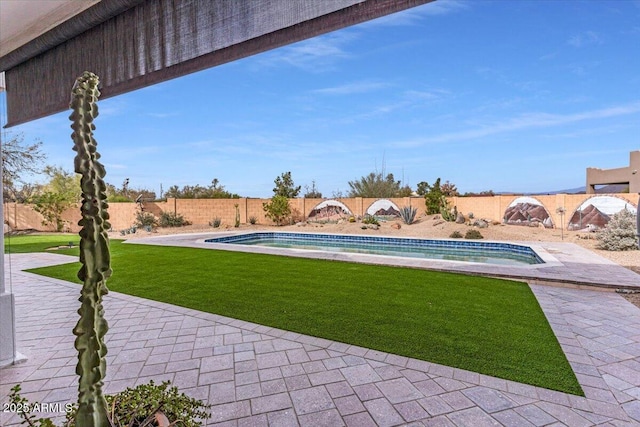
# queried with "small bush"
point(456, 235)
point(473, 234)
point(370, 219)
point(215, 223)
point(253, 220)
point(352, 218)
point(620, 233)
point(116, 198)
point(132, 407)
point(408, 214)
point(278, 209)
point(170, 219)
point(145, 220)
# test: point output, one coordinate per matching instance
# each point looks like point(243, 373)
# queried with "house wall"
point(625, 175)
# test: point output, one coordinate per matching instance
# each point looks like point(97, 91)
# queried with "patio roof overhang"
point(136, 43)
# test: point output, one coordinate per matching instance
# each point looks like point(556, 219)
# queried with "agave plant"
point(408, 214)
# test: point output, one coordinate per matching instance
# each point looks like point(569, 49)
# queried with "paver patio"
point(254, 375)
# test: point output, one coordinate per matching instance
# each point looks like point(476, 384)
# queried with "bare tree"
point(18, 159)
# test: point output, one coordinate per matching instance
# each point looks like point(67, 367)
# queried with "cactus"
point(237, 224)
point(445, 212)
point(94, 256)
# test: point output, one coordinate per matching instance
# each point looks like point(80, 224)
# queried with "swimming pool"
point(450, 250)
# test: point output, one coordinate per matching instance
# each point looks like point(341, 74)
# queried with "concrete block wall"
point(493, 208)
point(203, 211)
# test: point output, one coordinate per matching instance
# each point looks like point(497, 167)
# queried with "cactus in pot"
point(94, 256)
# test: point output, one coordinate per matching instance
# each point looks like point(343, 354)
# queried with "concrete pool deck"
point(254, 375)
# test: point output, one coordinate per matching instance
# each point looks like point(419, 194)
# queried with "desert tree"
point(285, 186)
point(312, 192)
point(58, 195)
point(375, 185)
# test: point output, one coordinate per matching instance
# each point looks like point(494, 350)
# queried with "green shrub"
point(473, 234)
point(145, 219)
point(253, 220)
point(170, 219)
point(278, 209)
point(408, 214)
point(456, 235)
point(117, 198)
point(216, 222)
point(370, 219)
point(620, 233)
point(132, 407)
point(51, 206)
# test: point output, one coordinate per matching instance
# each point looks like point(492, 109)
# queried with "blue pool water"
point(451, 250)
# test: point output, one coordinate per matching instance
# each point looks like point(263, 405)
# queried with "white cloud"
point(316, 55)
point(414, 15)
point(524, 121)
point(355, 87)
point(114, 166)
point(162, 115)
point(584, 39)
point(426, 95)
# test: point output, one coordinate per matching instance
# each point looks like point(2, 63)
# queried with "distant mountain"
point(577, 190)
point(607, 189)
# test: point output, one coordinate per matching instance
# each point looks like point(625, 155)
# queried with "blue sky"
point(508, 96)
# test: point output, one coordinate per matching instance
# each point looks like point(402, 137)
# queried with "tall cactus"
point(94, 256)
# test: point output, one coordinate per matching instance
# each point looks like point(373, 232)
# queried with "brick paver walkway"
point(254, 375)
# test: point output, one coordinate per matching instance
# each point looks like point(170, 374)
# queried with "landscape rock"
point(301, 224)
point(438, 222)
point(481, 223)
point(396, 226)
point(460, 219)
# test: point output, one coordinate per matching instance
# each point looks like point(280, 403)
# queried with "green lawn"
point(39, 242)
point(491, 326)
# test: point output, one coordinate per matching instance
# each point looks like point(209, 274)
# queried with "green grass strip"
point(39, 243)
point(485, 325)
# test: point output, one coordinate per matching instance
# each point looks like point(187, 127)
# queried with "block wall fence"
point(203, 211)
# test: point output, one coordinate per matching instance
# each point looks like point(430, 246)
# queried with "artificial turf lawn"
point(491, 326)
point(39, 242)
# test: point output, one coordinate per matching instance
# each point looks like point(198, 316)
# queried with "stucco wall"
point(203, 211)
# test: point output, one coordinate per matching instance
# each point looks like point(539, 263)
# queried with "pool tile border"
point(410, 242)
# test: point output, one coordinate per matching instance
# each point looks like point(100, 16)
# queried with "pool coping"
point(565, 264)
point(409, 242)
